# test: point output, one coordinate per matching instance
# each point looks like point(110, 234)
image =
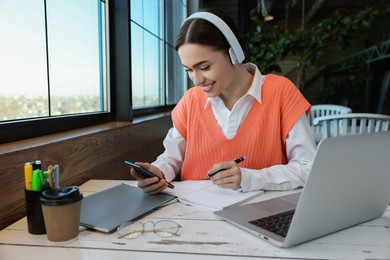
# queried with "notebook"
point(348, 184)
point(107, 210)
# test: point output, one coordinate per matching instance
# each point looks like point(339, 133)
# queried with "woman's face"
point(207, 68)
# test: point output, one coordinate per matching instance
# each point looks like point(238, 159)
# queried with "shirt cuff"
point(251, 181)
point(169, 173)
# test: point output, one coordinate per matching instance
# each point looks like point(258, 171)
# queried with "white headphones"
point(235, 50)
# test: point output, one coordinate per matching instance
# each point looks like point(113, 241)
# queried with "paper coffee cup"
point(61, 212)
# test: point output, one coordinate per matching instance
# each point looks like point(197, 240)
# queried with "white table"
point(203, 236)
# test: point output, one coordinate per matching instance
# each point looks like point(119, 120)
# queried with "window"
point(53, 58)
point(62, 69)
point(157, 76)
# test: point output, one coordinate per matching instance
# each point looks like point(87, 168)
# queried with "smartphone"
point(145, 172)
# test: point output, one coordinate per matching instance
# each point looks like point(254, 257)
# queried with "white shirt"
point(300, 144)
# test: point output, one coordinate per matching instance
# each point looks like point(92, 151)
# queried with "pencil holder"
point(35, 221)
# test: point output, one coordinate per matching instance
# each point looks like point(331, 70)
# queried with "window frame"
point(119, 80)
point(168, 27)
point(15, 130)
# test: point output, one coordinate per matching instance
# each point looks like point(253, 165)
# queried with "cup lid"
point(61, 196)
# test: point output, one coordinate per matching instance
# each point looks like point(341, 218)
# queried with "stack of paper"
point(208, 195)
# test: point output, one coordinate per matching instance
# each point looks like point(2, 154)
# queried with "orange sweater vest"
point(261, 138)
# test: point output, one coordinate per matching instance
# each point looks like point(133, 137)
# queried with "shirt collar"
point(255, 88)
point(257, 83)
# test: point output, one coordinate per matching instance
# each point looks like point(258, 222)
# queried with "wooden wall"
point(91, 153)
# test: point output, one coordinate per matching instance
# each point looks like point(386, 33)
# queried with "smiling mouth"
point(208, 88)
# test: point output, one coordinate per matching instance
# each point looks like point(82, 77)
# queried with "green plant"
point(267, 44)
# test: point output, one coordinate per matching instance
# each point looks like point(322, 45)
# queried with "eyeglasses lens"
point(131, 230)
point(166, 228)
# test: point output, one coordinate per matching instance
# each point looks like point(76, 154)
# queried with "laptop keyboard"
point(278, 223)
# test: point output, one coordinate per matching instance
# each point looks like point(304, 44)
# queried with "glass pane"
point(145, 60)
point(136, 13)
point(152, 18)
point(152, 71)
point(176, 78)
point(175, 15)
point(73, 41)
point(146, 14)
point(158, 78)
point(23, 78)
point(137, 65)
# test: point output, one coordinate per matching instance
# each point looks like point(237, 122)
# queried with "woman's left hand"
point(229, 177)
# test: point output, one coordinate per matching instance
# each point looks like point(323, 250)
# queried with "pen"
point(170, 185)
point(56, 176)
point(37, 165)
point(50, 170)
point(45, 182)
point(237, 160)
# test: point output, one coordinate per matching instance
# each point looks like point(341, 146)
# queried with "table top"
point(202, 236)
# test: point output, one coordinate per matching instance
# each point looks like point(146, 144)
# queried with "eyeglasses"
point(163, 228)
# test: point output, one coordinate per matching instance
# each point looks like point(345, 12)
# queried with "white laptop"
point(349, 183)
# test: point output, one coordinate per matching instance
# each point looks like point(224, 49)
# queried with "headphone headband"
point(235, 51)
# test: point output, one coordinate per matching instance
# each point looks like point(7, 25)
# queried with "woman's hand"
point(152, 185)
point(228, 177)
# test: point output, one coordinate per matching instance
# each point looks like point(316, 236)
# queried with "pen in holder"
point(35, 221)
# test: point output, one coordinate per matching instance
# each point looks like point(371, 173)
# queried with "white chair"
point(327, 110)
point(324, 110)
point(352, 123)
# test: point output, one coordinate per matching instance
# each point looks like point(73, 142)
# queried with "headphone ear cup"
point(233, 56)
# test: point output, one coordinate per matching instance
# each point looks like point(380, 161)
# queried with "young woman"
point(232, 111)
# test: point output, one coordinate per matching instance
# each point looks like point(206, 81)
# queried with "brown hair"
point(200, 31)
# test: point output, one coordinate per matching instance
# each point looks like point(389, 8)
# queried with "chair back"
point(327, 110)
point(352, 123)
point(324, 110)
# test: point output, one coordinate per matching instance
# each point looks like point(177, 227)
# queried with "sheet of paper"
point(185, 187)
point(209, 196)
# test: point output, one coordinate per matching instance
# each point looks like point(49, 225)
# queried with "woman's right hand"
point(152, 185)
